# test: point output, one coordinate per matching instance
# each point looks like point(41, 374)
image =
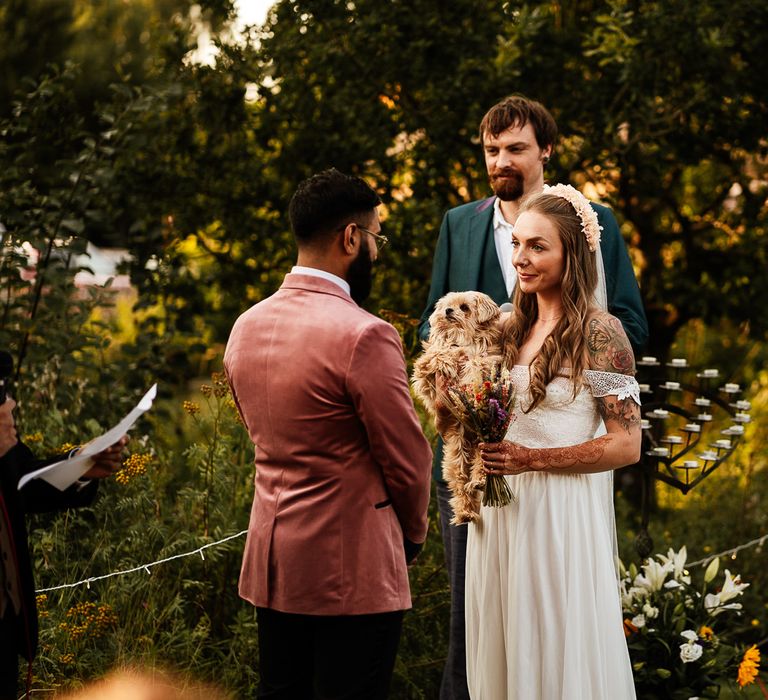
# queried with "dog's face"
point(459, 316)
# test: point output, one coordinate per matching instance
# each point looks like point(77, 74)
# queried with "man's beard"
point(508, 188)
point(360, 274)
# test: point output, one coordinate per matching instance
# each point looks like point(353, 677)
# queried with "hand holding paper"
point(66, 472)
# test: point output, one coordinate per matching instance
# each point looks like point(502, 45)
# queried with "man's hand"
point(108, 461)
point(7, 427)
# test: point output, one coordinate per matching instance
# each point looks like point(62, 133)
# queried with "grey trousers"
point(454, 682)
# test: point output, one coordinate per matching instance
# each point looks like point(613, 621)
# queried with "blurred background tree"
point(117, 131)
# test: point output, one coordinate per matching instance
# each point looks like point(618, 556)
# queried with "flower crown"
point(587, 215)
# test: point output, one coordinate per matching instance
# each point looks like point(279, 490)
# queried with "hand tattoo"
point(509, 458)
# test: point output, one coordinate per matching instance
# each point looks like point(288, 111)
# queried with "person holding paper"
point(18, 612)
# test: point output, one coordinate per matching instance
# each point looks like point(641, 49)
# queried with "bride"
point(543, 611)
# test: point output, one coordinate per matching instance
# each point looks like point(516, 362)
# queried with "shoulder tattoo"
point(609, 347)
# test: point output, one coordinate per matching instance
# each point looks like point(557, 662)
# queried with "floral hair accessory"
point(586, 214)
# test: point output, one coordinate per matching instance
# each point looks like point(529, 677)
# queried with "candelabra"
point(678, 444)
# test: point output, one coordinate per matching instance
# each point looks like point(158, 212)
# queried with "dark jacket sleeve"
point(624, 299)
point(39, 496)
point(439, 284)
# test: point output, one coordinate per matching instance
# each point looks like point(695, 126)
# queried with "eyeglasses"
point(381, 240)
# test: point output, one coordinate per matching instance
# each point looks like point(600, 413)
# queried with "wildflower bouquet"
point(680, 636)
point(484, 406)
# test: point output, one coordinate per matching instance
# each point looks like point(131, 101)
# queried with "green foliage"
point(661, 107)
point(174, 494)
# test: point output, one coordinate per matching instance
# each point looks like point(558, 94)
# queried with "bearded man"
point(342, 467)
point(474, 253)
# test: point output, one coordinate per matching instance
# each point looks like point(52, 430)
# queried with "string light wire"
point(142, 567)
point(758, 541)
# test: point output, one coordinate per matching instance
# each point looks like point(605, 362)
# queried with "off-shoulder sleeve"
point(612, 384)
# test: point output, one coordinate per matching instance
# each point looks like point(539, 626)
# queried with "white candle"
point(645, 388)
point(660, 451)
point(743, 405)
point(691, 464)
point(660, 413)
point(701, 401)
point(704, 417)
point(679, 362)
point(731, 388)
point(645, 424)
point(708, 456)
point(710, 373)
point(723, 443)
point(737, 429)
point(742, 418)
point(671, 385)
point(648, 359)
point(673, 439)
point(692, 428)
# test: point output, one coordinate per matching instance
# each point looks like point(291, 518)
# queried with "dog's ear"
point(487, 309)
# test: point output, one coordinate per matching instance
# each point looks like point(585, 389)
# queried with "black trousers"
point(9, 662)
point(318, 657)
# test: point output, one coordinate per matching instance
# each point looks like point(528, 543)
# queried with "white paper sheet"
point(66, 472)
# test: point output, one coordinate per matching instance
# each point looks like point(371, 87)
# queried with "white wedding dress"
point(543, 613)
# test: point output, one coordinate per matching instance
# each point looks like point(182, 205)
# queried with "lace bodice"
point(560, 420)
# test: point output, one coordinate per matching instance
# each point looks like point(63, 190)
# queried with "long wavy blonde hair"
point(566, 345)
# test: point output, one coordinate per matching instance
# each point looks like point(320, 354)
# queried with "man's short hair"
point(328, 200)
point(517, 111)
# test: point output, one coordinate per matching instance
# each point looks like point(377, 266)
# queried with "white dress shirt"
point(314, 272)
point(502, 234)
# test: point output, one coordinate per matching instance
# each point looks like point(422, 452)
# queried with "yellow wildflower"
point(221, 387)
point(706, 633)
point(135, 465)
point(191, 407)
point(33, 437)
point(206, 390)
point(749, 666)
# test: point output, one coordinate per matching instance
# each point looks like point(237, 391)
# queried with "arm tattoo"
point(609, 347)
point(518, 458)
point(625, 412)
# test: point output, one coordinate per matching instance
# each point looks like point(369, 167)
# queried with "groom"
point(474, 252)
point(342, 467)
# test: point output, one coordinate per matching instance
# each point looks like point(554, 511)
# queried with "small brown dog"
point(464, 341)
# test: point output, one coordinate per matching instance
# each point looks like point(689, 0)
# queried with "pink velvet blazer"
point(342, 465)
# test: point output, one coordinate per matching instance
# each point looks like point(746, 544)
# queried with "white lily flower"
point(676, 560)
point(690, 635)
point(652, 578)
point(672, 583)
point(732, 586)
point(638, 621)
point(715, 605)
point(690, 652)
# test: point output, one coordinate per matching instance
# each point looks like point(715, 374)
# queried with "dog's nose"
point(449, 311)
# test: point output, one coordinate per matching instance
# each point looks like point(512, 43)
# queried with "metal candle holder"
point(676, 449)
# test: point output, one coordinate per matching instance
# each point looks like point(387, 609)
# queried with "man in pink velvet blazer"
point(342, 466)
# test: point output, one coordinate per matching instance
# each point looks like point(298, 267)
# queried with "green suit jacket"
point(466, 259)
